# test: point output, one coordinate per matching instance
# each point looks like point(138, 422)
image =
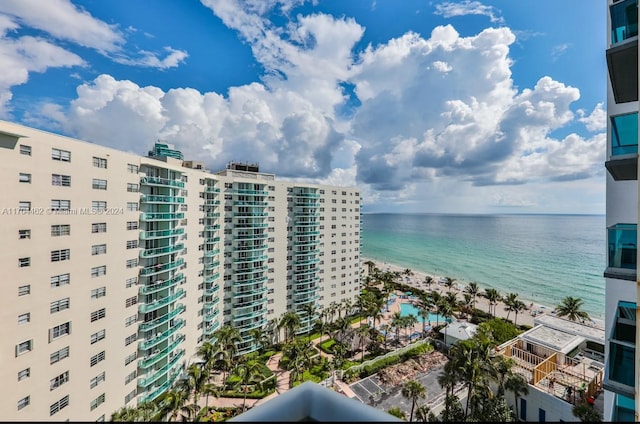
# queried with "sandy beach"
point(524, 318)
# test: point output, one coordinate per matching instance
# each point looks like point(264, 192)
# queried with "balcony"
point(299, 300)
point(212, 290)
point(161, 182)
point(211, 253)
point(156, 374)
point(251, 325)
point(157, 339)
point(255, 236)
point(248, 192)
point(151, 235)
point(210, 329)
point(151, 198)
point(212, 189)
point(161, 285)
point(309, 195)
point(150, 325)
point(258, 289)
point(620, 372)
point(249, 314)
point(211, 265)
point(152, 216)
point(158, 390)
point(211, 202)
point(158, 268)
point(159, 355)
point(307, 261)
point(622, 62)
point(212, 214)
point(239, 214)
point(250, 203)
point(160, 303)
point(249, 248)
point(623, 163)
point(251, 258)
point(211, 278)
point(622, 239)
point(159, 251)
point(250, 281)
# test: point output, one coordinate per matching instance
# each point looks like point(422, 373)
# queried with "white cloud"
point(467, 7)
point(596, 120)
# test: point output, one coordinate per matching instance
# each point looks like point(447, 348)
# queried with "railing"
point(148, 235)
point(153, 341)
point(154, 269)
point(158, 356)
point(158, 251)
point(144, 382)
point(161, 182)
point(153, 198)
point(157, 304)
point(150, 325)
point(160, 285)
point(152, 216)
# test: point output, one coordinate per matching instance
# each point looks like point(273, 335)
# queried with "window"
point(98, 293)
point(97, 402)
point(61, 155)
point(61, 180)
point(132, 187)
point(23, 402)
point(132, 376)
point(25, 178)
point(131, 301)
point(132, 168)
point(24, 205)
point(25, 150)
point(60, 205)
point(99, 184)
point(98, 271)
point(99, 205)
point(26, 373)
point(130, 320)
point(132, 244)
point(60, 280)
point(60, 230)
point(131, 263)
point(59, 355)
point(130, 358)
point(130, 339)
point(23, 262)
point(60, 255)
point(132, 206)
point(100, 227)
point(130, 396)
point(96, 337)
point(99, 162)
point(24, 318)
point(57, 406)
point(132, 225)
point(24, 234)
point(95, 359)
point(24, 290)
point(59, 331)
point(24, 347)
point(97, 380)
point(99, 314)
point(58, 381)
point(98, 249)
point(131, 282)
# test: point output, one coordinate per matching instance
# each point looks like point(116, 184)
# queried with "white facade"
point(118, 266)
point(622, 360)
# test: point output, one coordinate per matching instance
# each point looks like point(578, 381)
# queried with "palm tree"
point(408, 322)
point(509, 302)
point(290, 321)
point(518, 307)
point(570, 307)
point(516, 384)
point(396, 322)
point(259, 337)
point(309, 310)
point(424, 314)
point(197, 378)
point(227, 338)
point(428, 280)
point(445, 310)
point(424, 414)
point(144, 412)
point(413, 391)
point(174, 402)
point(250, 372)
point(466, 305)
point(363, 332)
point(449, 283)
point(370, 265)
point(493, 296)
point(473, 289)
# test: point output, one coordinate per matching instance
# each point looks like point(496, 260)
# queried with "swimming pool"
point(407, 309)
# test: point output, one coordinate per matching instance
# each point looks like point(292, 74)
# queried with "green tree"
point(174, 402)
point(397, 412)
point(424, 414)
point(144, 412)
point(473, 289)
point(517, 385)
point(413, 391)
point(453, 412)
point(493, 296)
point(249, 373)
point(509, 302)
point(290, 321)
point(571, 307)
point(518, 307)
point(449, 283)
point(586, 413)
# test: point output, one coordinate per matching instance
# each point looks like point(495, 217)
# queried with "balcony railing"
point(150, 325)
point(152, 198)
point(157, 339)
point(159, 251)
point(155, 357)
point(153, 216)
point(161, 285)
point(154, 392)
point(160, 303)
point(157, 181)
point(622, 239)
point(155, 269)
point(156, 374)
point(150, 235)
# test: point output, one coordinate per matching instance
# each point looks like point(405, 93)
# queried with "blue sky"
point(426, 106)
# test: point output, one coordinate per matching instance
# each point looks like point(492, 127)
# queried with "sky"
point(427, 106)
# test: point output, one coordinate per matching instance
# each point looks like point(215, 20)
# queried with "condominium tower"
point(621, 278)
point(117, 266)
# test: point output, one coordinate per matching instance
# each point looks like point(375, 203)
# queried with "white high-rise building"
point(621, 279)
point(117, 266)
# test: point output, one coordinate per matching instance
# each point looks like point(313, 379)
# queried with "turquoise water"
point(542, 258)
point(407, 309)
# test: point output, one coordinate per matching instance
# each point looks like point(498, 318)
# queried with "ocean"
point(542, 258)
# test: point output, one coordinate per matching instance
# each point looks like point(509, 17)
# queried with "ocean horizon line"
point(484, 214)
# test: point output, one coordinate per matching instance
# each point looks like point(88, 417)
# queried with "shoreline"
point(526, 317)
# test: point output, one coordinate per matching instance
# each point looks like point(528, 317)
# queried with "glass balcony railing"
point(212, 189)
point(212, 290)
point(247, 192)
point(160, 303)
point(250, 270)
point(156, 374)
point(149, 343)
point(306, 252)
point(153, 216)
point(307, 261)
point(257, 224)
point(307, 195)
point(150, 235)
point(250, 314)
point(211, 328)
point(150, 325)
point(250, 203)
point(624, 20)
point(152, 198)
point(248, 213)
point(249, 281)
point(157, 181)
point(251, 258)
point(211, 253)
point(256, 236)
point(158, 268)
point(159, 251)
point(211, 202)
point(624, 134)
point(156, 391)
point(306, 279)
point(622, 239)
point(306, 299)
point(257, 289)
point(161, 285)
point(211, 278)
point(624, 409)
point(211, 304)
point(210, 316)
point(244, 327)
point(159, 355)
point(249, 248)
point(212, 214)
point(247, 302)
point(211, 265)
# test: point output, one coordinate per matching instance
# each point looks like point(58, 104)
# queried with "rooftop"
point(591, 331)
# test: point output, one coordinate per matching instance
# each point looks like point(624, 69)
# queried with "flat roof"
point(557, 340)
point(589, 332)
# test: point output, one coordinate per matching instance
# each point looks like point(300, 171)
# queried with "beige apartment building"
point(117, 266)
